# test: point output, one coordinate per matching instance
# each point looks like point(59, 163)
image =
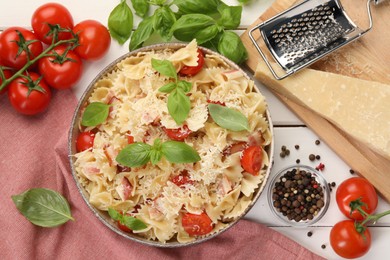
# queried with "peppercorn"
point(317, 142)
point(351, 171)
point(318, 157)
point(298, 161)
point(312, 157)
point(296, 147)
point(309, 234)
point(323, 246)
point(284, 148)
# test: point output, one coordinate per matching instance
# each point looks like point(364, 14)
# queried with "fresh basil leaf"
point(244, 2)
point(184, 85)
point(164, 18)
point(95, 114)
point(231, 46)
point(43, 207)
point(228, 118)
point(133, 223)
point(168, 87)
point(115, 215)
point(141, 7)
point(134, 155)
point(120, 22)
point(142, 33)
point(179, 152)
point(230, 16)
point(164, 67)
point(178, 105)
point(188, 25)
point(155, 156)
point(197, 6)
point(207, 34)
point(157, 2)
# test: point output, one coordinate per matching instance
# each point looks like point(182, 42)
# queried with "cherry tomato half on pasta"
point(84, 141)
point(94, 39)
point(353, 189)
point(252, 159)
point(52, 14)
point(179, 134)
point(193, 70)
point(197, 225)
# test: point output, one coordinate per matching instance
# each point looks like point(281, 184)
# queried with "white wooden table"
point(288, 129)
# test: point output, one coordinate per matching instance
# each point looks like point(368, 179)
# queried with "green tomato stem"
point(374, 218)
point(30, 62)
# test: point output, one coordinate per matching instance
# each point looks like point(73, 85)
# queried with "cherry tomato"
point(193, 70)
point(61, 72)
point(182, 179)
point(9, 49)
point(347, 242)
point(197, 225)
point(251, 159)
point(123, 227)
point(29, 103)
point(179, 134)
point(352, 189)
point(84, 141)
point(130, 139)
point(53, 14)
point(7, 74)
point(94, 39)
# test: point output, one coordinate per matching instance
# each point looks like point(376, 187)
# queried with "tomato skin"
point(197, 225)
point(9, 48)
point(252, 159)
point(182, 179)
point(352, 189)
point(193, 70)
point(84, 141)
point(51, 13)
point(179, 134)
point(61, 76)
point(347, 242)
point(36, 102)
point(7, 74)
point(94, 40)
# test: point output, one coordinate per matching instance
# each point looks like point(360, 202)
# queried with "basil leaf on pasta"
point(134, 155)
point(95, 114)
point(43, 207)
point(179, 105)
point(164, 67)
point(179, 152)
point(129, 221)
point(228, 118)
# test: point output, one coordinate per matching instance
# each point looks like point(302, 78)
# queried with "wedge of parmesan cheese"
point(358, 107)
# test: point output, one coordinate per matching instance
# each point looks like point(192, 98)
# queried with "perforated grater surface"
point(307, 32)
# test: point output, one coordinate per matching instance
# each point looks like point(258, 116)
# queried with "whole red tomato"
point(63, 70)
point(9, 49)
point(193, 70)
point(252, 159)
point(29, 98)
point(7, 74)
point(347, 242)
point(352, 189)
point(197, 225)
point(94, 39)
point(52, 14)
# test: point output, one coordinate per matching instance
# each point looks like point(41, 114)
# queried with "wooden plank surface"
point(368, 58)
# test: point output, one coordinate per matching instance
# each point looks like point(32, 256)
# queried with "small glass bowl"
point(318, 177)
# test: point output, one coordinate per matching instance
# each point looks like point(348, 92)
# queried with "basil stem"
point(95, 114)
point(120, 22)
point(43, 207)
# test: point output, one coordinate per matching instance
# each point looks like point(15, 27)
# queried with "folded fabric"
point(34, 154)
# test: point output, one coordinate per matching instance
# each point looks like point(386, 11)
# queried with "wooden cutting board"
point(368, 58)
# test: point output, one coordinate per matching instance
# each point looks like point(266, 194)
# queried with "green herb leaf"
point(168, 87)
point(186, 27)
point(164, 19)
point(155, 153)
point(179, 152)
point(230, 16)
point(157, 2)
point(164, 67)
point(120, 22)
point(141, 7)
point(231, 46)
point(142, 33)
point(184, 85)
point(197, 6)
point(208, 33)
point(95, 113)
point(129, 221)
point(228, 118)
point(179, 105)
point(43, 207)
point(134, 155)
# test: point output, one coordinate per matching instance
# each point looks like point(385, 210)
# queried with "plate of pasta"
point(171, 144)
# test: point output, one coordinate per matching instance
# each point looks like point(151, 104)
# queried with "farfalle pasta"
point(165, 194)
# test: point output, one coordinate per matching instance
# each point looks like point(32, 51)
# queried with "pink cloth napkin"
point(34, 154)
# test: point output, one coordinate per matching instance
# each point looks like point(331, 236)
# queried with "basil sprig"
point(129, 221)
point(179, 104)
point(228, 118)
point(141, 7)
point(138, 154)
point(120, 22)
point(43, 207)
point(95, 113)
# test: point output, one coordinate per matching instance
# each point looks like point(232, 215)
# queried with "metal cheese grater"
point(307, 32)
